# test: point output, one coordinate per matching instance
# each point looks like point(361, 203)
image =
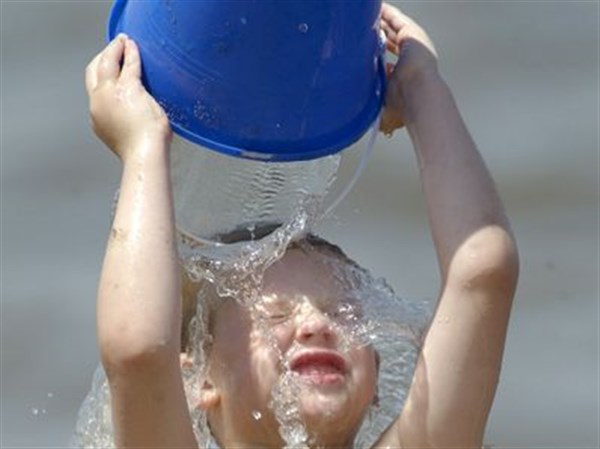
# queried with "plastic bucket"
point(272, 80)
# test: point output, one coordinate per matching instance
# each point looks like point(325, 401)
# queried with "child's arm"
point(458, 369)
point(139, 307)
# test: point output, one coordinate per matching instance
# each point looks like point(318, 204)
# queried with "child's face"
point(336, 377)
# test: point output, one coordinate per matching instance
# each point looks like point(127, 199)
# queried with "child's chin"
point(327, 423)
point(317, 407)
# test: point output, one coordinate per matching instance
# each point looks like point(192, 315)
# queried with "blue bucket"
point(272, 80)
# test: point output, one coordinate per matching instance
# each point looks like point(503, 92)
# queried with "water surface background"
point(525, 74)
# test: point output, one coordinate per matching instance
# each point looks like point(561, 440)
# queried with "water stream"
point(393, 325)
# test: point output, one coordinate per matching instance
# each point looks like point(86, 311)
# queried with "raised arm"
point(139, 309)
point(459, 365)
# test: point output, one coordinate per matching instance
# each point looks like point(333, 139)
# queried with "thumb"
point(390, 121)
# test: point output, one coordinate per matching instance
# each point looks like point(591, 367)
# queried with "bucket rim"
point(303, 150)
point(114, 18)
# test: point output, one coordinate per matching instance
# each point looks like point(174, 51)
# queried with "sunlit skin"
point(337, 379)
point(139, 294)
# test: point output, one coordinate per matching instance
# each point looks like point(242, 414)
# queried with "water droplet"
point(243, 20)
point(303, 27)
point(50, 394)
point(35, 411)
point(256, 414)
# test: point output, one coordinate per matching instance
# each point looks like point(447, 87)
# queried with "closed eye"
point(274, 309)
point(277, 316)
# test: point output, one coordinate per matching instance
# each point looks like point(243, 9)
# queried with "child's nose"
point(315, 327)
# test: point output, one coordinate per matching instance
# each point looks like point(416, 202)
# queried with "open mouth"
point(319, 367)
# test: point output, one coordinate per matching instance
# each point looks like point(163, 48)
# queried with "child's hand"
point(416, 58)
point(123, 114)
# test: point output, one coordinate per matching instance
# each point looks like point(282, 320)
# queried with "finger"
point(388, 13)
point(388, 9)
point(392, 42)
point(389, 32)
point(393, 32)
point(91, 80)
point(109, 65)
point(389, 123)
point(391, 37)
point(392, 47)
point(394, 24)
point(394, 20)
point(132, 64)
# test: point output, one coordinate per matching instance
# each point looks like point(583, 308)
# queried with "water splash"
point(94, 428)
point(236, 270)
point(373, 314)
point(285, 405)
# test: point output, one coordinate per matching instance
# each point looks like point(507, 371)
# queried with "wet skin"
point(291, 329)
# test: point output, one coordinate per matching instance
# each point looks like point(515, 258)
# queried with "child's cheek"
point(275, 339)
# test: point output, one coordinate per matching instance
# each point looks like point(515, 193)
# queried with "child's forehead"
point(314, 275)
point(305, 272)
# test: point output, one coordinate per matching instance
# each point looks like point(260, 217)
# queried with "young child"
point(139, 306)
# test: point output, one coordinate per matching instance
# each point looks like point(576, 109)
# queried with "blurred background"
point(526, 77)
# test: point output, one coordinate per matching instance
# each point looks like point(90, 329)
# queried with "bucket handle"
point(361, 165)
